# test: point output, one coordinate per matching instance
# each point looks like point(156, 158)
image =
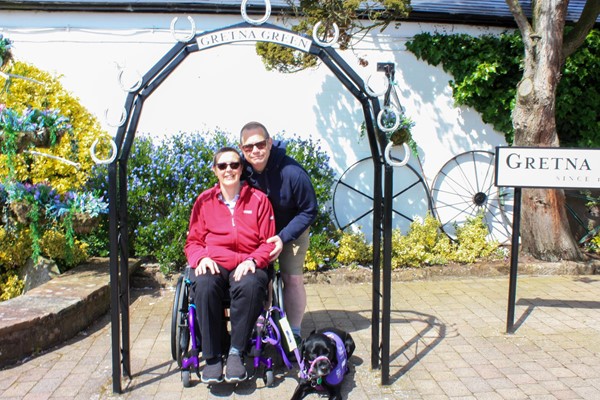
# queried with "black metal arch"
point(117, 193)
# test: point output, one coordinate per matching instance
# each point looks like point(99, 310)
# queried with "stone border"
point(55, 311)
point(483, 269)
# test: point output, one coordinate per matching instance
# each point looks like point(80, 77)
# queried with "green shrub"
point(315, 161)
point(322, 252)
point(10, 286)
point(487, 68)
point(165, 178)
point(21, 95)
point(424, 244)
point(354, 249)
point(594, 244)
point(471, 241)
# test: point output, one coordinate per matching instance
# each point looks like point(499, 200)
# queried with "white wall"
point(225, 87)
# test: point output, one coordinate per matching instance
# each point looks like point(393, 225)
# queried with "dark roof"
point(478, 12)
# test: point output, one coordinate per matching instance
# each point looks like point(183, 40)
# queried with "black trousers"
point(247, 297)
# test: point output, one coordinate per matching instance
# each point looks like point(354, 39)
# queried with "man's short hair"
point(253, 125)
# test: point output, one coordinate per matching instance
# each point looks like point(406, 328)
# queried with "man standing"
point(294, 201)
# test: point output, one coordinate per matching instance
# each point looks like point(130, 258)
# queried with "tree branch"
point(577, 35)
point(522, 23)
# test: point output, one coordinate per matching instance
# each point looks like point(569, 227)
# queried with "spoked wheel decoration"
point(353, 198)
point(465, 187)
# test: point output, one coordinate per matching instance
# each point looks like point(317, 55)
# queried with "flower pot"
point(20, 211)
point(400, 136)
point(43, 137)
point(20, 142)
point(84, 223)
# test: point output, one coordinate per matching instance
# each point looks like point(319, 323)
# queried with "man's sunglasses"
point(223, 166)
point(259, 145)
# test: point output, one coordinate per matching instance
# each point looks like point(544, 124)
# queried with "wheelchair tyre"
point(175, 318)
point(185, 378)
point(269, 378)
point(278, 291)
point(182, 329)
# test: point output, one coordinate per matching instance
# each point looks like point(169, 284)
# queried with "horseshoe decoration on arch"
point(113, 154)
point(256, 21)
point(334, 39)
point(187, 38)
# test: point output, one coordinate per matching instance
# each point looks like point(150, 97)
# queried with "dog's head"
point(319, 355)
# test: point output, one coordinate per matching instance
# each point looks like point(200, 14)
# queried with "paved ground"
point(448, 342)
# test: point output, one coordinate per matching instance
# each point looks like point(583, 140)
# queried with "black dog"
point(324, 363)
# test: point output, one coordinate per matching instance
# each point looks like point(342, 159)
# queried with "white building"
point(90, 44)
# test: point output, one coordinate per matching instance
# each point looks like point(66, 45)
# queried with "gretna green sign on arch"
point(254, 34)
point(126, 129)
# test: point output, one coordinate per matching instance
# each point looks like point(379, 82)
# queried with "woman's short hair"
point(226, 149)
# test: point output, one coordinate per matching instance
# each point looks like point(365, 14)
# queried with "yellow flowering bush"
point(15, 248)
point(354, 249)
point(471, 241)
point(20, 95)
point(322, 251)
point(10, 286)
point(54, 246)
point(424, 244)
point(34, 108)
point(594, 244)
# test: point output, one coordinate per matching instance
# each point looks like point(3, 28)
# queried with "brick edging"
point(55, 311)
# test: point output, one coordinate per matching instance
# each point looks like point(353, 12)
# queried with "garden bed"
point(148, 275)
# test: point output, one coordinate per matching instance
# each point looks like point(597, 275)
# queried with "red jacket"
point(230, 239)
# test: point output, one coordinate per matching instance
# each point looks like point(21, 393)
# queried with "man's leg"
point(291, 263)
point(294, 300)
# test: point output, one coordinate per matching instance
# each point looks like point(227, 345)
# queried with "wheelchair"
point(271, 329)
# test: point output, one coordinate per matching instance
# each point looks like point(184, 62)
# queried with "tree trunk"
point(545, 232)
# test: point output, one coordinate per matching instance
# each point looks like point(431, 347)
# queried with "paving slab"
point(448, 341)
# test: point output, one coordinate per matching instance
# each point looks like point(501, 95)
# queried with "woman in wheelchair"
point(226, 248)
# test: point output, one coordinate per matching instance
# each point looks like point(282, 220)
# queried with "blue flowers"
point(53, 205)
point(32, 120)
point(5, 50)
point(164, 179)
point(82, 203)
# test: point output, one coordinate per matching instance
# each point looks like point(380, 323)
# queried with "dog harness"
point(337, 373)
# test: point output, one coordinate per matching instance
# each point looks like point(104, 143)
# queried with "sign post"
point(540, 167)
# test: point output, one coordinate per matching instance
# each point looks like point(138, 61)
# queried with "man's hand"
point(243, 269)
point(206, 265)
point(278, 247)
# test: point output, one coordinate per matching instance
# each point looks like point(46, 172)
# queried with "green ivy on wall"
point(486, 70)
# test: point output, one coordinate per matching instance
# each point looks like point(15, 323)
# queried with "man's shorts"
point(291, 259)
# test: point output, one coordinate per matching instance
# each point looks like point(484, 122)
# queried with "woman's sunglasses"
point(223, 166)
point(259, 145)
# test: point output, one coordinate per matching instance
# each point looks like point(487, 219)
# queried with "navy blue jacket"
point(290, 191)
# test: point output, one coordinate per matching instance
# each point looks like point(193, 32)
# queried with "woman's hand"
point(206, 265)
point(243, 269)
